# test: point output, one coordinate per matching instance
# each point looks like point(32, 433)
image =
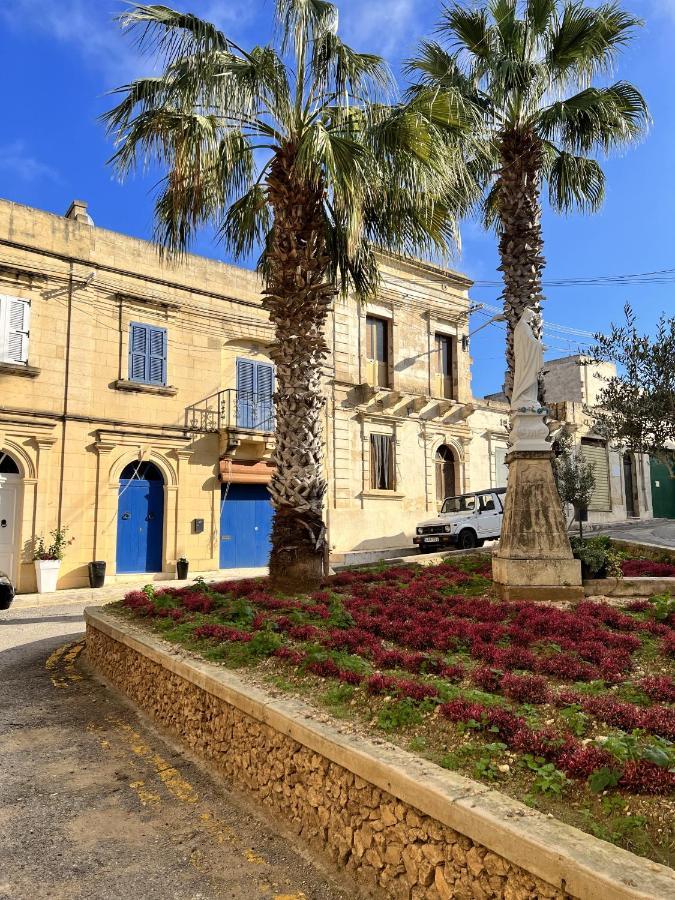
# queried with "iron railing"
point(230, 408)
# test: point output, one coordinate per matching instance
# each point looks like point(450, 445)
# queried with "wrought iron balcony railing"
point(231, 409)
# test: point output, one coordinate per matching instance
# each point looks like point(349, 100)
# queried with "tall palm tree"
point(528, 69)
point(293, 147)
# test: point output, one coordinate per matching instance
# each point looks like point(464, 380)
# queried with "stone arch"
point(23, 461)
point(455, 445)
point(167, 469)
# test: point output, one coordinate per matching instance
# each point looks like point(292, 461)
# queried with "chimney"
point(77, 211)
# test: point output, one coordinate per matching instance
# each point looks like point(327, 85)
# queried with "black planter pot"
point(97, 573)
point(182, 567)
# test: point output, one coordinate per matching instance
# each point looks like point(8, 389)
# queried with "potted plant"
point(182, 566)
point(47, 559)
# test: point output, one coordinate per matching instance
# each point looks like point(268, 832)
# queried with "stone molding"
point(136, 387)
point(23, 370)
point(569, 862)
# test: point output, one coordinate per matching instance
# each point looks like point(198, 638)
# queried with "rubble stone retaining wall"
point(401, 827)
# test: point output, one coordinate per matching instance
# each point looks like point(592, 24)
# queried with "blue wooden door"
point(245, 527)
point(140, 525)
point(255, 389)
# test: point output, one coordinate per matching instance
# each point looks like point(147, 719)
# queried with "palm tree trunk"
point(298, 297)
point(521, 244)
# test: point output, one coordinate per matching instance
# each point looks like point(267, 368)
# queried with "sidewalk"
point(110, 592)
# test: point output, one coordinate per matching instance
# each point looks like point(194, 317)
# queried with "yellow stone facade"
point(71, 420)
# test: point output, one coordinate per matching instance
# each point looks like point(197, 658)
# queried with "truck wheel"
point(467, 539)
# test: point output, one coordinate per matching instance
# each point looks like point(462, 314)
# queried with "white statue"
point(529, 361)
point(529, 432)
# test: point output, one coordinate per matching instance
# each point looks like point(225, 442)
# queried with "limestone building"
point(136, 404)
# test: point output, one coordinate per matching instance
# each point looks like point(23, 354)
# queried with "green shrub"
point(599, 558)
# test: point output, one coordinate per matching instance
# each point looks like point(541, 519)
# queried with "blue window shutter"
point(265, 379)
point(138, 352)
point(157, 356)
point(246, 376)
point(265, 389)
point(147, 353)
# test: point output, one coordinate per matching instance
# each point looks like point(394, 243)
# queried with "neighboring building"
point(136, 404)
point(622, 483)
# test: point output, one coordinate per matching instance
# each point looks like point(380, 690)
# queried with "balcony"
point(243, 419)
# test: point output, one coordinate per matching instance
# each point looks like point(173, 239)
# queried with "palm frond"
point(172, 34)
point(467, 29)
point(586, 40)
point(297, 18)
point(596, 117)
point(574, 182)
point(339, 70)
point(246, 222)
point(539, 15)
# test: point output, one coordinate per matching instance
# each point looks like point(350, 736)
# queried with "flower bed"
point(647, 568)
point(569, 709)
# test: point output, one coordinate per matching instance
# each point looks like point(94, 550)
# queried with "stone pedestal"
point(534, 560)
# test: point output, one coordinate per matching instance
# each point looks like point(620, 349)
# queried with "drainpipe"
point(66, 389)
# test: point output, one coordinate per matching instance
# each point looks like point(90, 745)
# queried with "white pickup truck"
point(464, 522)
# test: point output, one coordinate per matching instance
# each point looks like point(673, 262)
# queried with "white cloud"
point(383, 26)
point(86, 25)
point(16, 161)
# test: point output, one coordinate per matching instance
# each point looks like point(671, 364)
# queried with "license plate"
point(431, 540)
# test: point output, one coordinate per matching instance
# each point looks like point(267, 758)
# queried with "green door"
point(663, 487)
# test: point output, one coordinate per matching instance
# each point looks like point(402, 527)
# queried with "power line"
point(659, 276)
point(549, 326)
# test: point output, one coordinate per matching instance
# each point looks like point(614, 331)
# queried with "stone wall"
point(389, 847)
point(399, 826)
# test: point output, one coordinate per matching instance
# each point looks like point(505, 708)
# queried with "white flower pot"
point(47, 571)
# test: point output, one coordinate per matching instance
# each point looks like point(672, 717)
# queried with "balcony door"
point(255, 390)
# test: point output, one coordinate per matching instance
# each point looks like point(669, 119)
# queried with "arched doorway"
point(140, 519)
point(10, 486)
point(446, 485)
point(629, 485)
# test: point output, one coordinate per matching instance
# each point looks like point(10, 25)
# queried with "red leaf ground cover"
point(435, 637)
point(641, 568)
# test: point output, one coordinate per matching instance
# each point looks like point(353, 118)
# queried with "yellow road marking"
point(65, 655)
point(298, 896)
point(182, 790)
point(144, 795)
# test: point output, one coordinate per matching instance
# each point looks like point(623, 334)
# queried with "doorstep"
point(114, 589)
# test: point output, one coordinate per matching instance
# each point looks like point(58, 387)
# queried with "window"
point(487, 503)
point(501, 469)
point(381, 462)
point(377, 350)
point(444, 364)
point(14, 317)
point(255, 390)
point(445, 473)
point(459, 504)
point(147, 354)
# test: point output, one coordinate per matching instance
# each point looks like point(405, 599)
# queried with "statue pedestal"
point(534, 560)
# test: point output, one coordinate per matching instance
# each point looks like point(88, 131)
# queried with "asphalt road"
point(95, 804)
point(659, 532)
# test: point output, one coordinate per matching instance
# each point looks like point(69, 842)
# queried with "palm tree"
point(527, 70)
point(292, 147)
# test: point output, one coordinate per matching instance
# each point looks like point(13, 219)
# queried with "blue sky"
point(64, 55)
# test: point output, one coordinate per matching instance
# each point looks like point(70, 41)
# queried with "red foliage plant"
point(647, 568)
